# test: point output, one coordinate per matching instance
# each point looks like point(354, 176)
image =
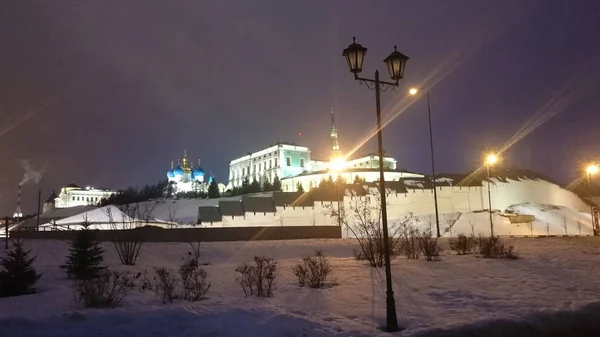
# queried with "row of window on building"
point(88, 199)
point(263, 166)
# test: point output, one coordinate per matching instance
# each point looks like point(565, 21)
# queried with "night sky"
point(107, 93)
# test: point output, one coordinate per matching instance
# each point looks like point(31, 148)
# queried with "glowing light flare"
point(337, 164)
point(413, 91)
point(491, 159)
point(592, 169)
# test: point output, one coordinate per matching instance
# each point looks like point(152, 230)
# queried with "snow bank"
point(554, 277)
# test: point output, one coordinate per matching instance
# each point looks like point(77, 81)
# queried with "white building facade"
point(282, 160)
point(73, 195)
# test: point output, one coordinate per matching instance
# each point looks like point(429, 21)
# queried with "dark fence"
point(157, 234)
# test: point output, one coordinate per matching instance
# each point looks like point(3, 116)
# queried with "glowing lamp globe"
point(592, 169)
point(355, 55)
point(396, 63)
point(338, 164)
point(491, 159)
point(413, 91)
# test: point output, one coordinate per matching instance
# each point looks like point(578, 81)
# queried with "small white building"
point(313, 179)
point(73, 195)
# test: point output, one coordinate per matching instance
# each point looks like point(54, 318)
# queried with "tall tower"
point(18, 213)
point(335, 145)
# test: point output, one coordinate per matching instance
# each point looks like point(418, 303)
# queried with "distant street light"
point(591, 170)
point(490, 160)
point(413, 92)
point(396, 63)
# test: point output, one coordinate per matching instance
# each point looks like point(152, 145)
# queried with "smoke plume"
point(30, 174)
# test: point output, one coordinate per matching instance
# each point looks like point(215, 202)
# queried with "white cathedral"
point(185, 178)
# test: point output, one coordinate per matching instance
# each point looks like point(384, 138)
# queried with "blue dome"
point(170, 174)
point(211, 178)
point(178, 171)
point(198, 173)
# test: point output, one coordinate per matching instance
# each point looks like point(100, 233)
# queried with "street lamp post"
point(396, 63)
point(413, 92)
point(490, 160)
point(591, 170)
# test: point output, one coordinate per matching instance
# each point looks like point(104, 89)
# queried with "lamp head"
point(592, 169)
point(491, 159)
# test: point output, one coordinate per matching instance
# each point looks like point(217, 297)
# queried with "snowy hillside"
point(552, 274)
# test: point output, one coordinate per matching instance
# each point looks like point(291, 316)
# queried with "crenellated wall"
point(472, 202)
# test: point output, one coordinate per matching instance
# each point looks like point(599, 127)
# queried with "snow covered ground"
point(463, 293)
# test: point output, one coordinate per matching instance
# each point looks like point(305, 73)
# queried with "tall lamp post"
point(396, 63)
point(413, 92)
point(591, 170)
point(490, 160)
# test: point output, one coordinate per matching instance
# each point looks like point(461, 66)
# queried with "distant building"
point(72, 195)
point(282, 160)
point(293, 165)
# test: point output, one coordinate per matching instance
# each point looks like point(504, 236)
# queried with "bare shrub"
point(258, 279)
point(410, 242)
point(451, 220)
point(463, 244)
point(492, 248)
point(194, 284)
point(362, 216)
point(312, 271)
point(105, 291)
point(429, 246)
point(126, 237)
point(359, 255)
point(165, 285)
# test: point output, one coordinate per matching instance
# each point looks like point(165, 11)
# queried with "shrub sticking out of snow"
point(492, 248)
point(429, 246)
point(165, 285)
point(258, 279)
point(463, 244)
point(105, 291)
point(312, 271)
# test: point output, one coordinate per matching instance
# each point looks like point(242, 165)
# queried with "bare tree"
point(362, 217)
point(126, 236)
point(579, 226)
point(530, 226)
point(451, 220)
point(172, 216)
point(565, 224)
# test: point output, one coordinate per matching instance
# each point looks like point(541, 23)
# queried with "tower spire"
point(335, 146)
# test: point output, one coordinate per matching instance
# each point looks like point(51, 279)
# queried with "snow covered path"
point(552, 274)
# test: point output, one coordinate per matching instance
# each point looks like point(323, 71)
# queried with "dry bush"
point(359, 255)
point(429, 246)
point(165, 285)
point(463, 244)
point(312, 271)
point(194, 284)
point(493, 248)
point(258, 279)
point(126, 237)
point(410, 242)
point(105, 291)
point(363, 218)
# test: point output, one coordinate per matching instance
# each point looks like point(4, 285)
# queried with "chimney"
point(18, 213)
